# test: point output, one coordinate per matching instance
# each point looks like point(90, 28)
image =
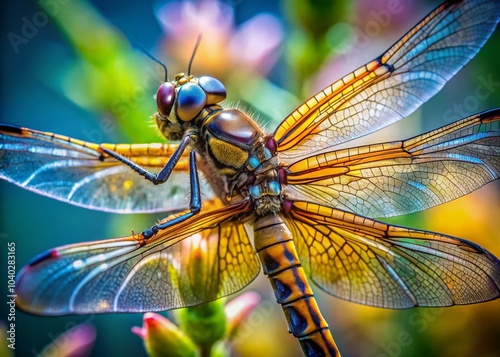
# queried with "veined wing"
point(401, 177)
point(373, 263)
point(204, 258)
point(395, 84)
point(76, 172)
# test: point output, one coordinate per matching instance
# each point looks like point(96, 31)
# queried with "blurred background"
point(73, 67)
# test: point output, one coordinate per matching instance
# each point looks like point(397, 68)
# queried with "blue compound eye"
point(165, 97)
point(191, 99)
point(216, 92)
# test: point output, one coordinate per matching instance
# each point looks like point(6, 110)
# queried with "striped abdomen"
point(278, 255)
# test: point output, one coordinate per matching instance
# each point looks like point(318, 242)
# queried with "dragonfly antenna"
point(146, 52)
point(198, 40)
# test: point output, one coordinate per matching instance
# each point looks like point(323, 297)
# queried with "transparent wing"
point(204, 258)
point(401, 177)
point(77, 172)
point(373, 263)
point(395, 84)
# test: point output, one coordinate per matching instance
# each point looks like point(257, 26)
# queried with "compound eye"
point(165, 97)
point(216, 92)
point(190, 101)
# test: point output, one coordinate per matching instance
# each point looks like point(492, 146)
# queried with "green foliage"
point(309, 45)
point(205, 324)
point(109, 77)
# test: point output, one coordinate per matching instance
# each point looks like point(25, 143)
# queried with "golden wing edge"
point(378, 235)
point(323, 176)
point(40, 283)
point(143, 154)
point(79, 173)
point(303, 121)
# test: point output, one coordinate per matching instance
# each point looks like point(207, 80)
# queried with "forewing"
point(401, 177)
point(395, 84)
point(373, 263)
point(203, 258)
point(76, 172)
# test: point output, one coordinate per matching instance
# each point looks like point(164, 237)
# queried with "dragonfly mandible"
point(308, 208)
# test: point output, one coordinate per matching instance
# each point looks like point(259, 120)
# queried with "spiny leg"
point(164, 174)
point(194, 203)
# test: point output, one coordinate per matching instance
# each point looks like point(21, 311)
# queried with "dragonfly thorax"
point(240, 160)
point(227, 140)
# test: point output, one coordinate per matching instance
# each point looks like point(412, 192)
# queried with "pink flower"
point(238, 310)
point(163, 338)
point(224, 48)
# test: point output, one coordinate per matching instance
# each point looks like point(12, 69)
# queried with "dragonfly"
point(286, 201)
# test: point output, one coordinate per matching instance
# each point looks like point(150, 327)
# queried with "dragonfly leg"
point(165, 172)
point(194, 203)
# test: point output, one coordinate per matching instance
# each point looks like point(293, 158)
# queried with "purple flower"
point(76, 342)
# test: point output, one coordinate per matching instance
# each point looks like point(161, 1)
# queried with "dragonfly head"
point(184, 98)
